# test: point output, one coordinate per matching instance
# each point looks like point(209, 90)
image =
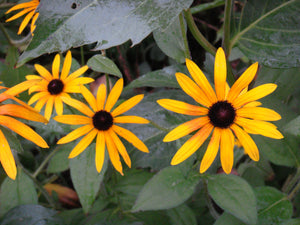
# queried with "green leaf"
point(153, 217)
point(168, 188)
point(103, 64)
point(60, 162)
point(13, 141)
point(182, 215)
point(268, 32)
point(171, 41)
point(85, 177)
point(291, 222)
point(227, 218)
point(30, 215)
point(293, 127)
point(62, 25)
point(71, 217)
point(234, 195)
point(273, 206)
point(17, 192)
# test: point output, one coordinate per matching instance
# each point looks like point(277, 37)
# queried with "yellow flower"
point(225, 113)
point(21, 111)
point(28, 7)
point(100, 122)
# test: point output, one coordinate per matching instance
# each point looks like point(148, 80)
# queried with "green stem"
point(9, 40)
point(158, 127)
point(183, 32)
point(206, 6)
point(290, 183)
point(294, 191)
point(226, 30)
point(197, 34)
point(210, 206)
point(82, 55)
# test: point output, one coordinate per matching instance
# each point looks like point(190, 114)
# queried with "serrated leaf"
point(167, 189)
point(234, 195)
point(62, 25)
point(293, 127)
point(182, 215)
point(17, 192)
point(103, 64)
point(268, 32)
point(85, 177)
point(60, 162)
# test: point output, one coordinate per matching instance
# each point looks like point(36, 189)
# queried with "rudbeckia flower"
point(7, 112)
point(100, 122)
point(29, 8)
point(227, 113)
point(53, 88)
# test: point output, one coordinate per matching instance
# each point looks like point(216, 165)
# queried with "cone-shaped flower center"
point(55, 87)
point(102, 120)
point(221, 114)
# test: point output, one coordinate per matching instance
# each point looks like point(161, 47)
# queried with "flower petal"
point(25, 21)
point(43, 72)
point(100, 151)
point(258, 113)
point(22, 6)
point(226, 150)
point(39, 105)
point(252, 104)
point(113, 153)
point(55, 66)
point(75, 134)
point(58, 106)
point(81, 107)
point(191, 145)
point(34, 18)
point(17, 89)
point(21, 13)
point(127, 105)
point(101, 97)
point(220, 71)
point(114, 95)
point(182, 107)
point(76, 74)
point(186, 128)
point(130, 119)
point(89, 97)
point(49, 107)
point(73, 119)
point(67, 66)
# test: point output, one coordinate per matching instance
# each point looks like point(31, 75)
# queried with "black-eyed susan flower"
point(28, 8)
point(7, 112)
point(52, 89)
point(226, 113)
point(100, 122)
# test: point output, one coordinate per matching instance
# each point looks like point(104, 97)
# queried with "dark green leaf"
point(103, 64)
point(293, 127)
point(227, 218)
point(234, 195)
point(206, 6)
point(168, 188)
point(60, 162)
point(13, 141)
point(182, 215)
point(17, 192)
point(62, 25)
point(268, 32)
point(153, 217)
point(71, 217)
point(291, 222)
point(85, 177)
point(273, 206)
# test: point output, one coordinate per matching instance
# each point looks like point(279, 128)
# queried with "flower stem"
point(206, 6)
point(294, 191)
point(9, 40)
point(197, 34)
point(183, 33)
point(226, 30)
point(158, 127)
point(82, 55)
point(290, 183)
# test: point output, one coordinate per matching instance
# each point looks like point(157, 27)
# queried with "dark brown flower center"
point(55, 87)
point(102, 120)
point(221, 114)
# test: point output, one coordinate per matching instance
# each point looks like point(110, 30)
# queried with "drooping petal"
point(130, 137)
point(58, 106)
point(226, 150)
point(81, 107)
point(243, 82)
point(6, 158)
point(114, 95)
point(83, 143)
point(21, 6)
point(186, 128)
point(67, 66)
point(101, 97)
point(19, 14)
point(201, 80)
point(182, 107)
point(212, 150)
point(259, 127)
point(25, 21)
point(191, 145)
point(23, 130)
point(17, 89)
point(100, 151)
point(127, 105)
point(43, 72)
point(113, 153)
point(220, 71)
point(49, 107)
point(34, 18)
point(130, 119)
point(73, 119)
point(258, 113)
point(55, 66)
point(75, 134)
point(76, 74)
point(89, 97)
point(247, 142)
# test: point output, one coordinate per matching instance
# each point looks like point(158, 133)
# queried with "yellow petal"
point(247, 142)
point(7, 158)
point(23, 130)
point(22, 6)
point(17, 89)
point(49, 107)
point(186, 128)
point(101, 97)
point(212, 150)
point(67, 66)
point(201, 80)
point(258, 113)
point(191, 145)
point(75, 134)
point(259, 127)
point(83, 143)
point(76, 74)
point(254, 94)
point(182, 107)
point(25, 22)
point(100, 151)
point(21, 13)
point(76, 82)
point(252, 104)
point(43, 72)
point(73, 119)
point(127, 105)
point(39, 105)
point(89, 97)
point(34, 18)
point(114, 95)
point(81, 107)
point(33, 77)
point(243, 82)
point(192, 89)
point(58, 106)
point(113, 153)
point(130, 119)
point(130, 137)
point(55, 66)
point(226, 150)
point(220, 71)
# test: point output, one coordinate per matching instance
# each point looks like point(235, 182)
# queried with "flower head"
point(226, 113)
point(100, 122)
point(29, 8)
point(7, 112)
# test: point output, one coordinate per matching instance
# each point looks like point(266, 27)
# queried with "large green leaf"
point(227, 218)
point(60, 162)
point(182, 215)
point(62, 25)
point(85, 177)
point(293, 127)
point(234, 195)
point(269, 32)
point(17, 192)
